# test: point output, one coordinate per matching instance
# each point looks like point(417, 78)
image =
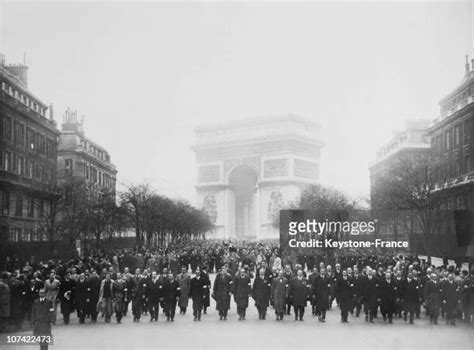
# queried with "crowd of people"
point(142, 282)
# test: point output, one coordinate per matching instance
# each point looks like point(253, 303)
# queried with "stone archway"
point(243, 185)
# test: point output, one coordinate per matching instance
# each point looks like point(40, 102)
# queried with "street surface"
point(257, 334)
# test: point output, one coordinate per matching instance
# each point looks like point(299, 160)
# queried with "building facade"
point(452, 142)
point(80, 158)
point(446, 144)
point(413, 141)
point(28, 151)
point(249, 169)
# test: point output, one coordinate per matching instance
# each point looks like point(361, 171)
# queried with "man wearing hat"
point(184, 281)
point(42, 317)
point(197, 293)
point(223, 287)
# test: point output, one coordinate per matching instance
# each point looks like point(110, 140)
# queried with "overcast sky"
point(146, 74)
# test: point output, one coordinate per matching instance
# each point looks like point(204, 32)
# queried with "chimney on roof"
point(472, 63)
point(20, 71)
point(467, 64)
point(2, 60)
point(70, 122)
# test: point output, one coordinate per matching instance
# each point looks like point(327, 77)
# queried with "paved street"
point(255, 333)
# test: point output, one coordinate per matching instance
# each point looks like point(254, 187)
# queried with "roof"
point(256, 121)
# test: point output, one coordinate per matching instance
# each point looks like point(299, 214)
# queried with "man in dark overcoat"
point(171, 292)
point(344, 295)
point(223, 287)
point(242, 292)
point(299, 292)
point(411, 297)
point(42, 317)
point(197, 293)
point(321, 293)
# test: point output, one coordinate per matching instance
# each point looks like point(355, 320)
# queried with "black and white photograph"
point(247, 174)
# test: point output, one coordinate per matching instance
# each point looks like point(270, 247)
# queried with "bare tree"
point(410, 190)
point(136, 199)
point(61, 208)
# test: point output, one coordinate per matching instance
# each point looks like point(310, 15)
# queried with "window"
point(466, 132)
point(447, 139)
point(15, 234)
point(457, 135)
point(438, 145)
point(49, 175)
point(87, 171)
point(37, 173)
point(4, 203)
point(7, 161)
point(31, 141)
point(26, 236)
point(20, 165)
point(19, 205)
point(31, 168)
point(94, 175)
point(7, 128)
point(31, 207)
point(41, 173)
point(467, 164)
point(49, 148)
point(68, 166)
point(41, 145)
point(457, 167)
point(460, 204)
point(41, 235)
point(20, 134)
point(40, 208)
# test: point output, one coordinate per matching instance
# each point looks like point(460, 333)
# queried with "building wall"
point(79, 157)
point(453, 153)
point(28, 150)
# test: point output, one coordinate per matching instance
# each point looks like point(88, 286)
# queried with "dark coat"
point(370, 292)
point(400, 284)
point(171, 293)
point(322, 289)
point(268, 275)
point(66, 296)
point(42, 317)
point(344, 293)
point(93, 285)
point(223, 286)
point(433, 293)
point(154, 291)
point(80, 296)
point(93, 292)
point(299, 291)
point(242, 291)
point(388, 294)
point(279, 293)
point(261, 292)
point(197, 292)
point(411, 294)
point(451, 296)
point(358, 282)
point(207, 290)
point(4, 299)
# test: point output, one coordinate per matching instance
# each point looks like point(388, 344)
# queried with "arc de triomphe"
point(247, 170)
